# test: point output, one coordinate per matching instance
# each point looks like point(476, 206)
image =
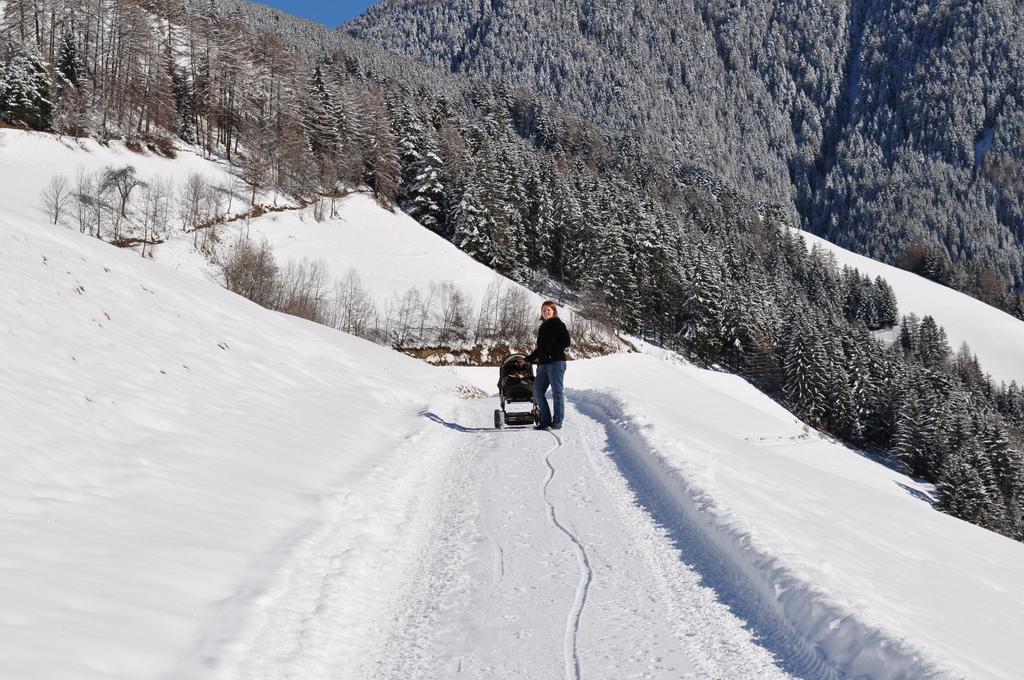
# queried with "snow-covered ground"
point(390, 251)
point(195, 487)
point(29, 159)
point(170, 450)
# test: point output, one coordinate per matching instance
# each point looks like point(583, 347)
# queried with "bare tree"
point(212, 206)
point(156, 210)
point(84, 198)
point(190, 202)
point(453, 308)
point(423, 314)
point(354, 311)
point(96, 203)
point(229, 188)
point(123, 181)
point(251, 271)
point(303, 290)
point(486, 320)
point(255, 172)
point(106, 208)
point(406, 312)
point(56, 196)
point(382, 323)
point(514, 316)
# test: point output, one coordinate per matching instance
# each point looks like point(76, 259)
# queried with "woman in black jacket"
point(552, 341)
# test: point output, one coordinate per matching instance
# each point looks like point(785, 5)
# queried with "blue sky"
point(324, 11)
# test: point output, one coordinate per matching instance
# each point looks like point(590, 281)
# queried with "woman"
point(552, 341)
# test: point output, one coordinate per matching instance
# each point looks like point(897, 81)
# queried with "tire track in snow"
point(572, 624)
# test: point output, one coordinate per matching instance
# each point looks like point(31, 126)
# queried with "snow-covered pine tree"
point(409, 133)
point(474, 225)
point(510, 203)
point(908, 436)
point(69, 61)
point(704, 307)
point(803, 363)
point(427, 191)
point(932, 346)
point(961, 487)
point(888, 314)
point(539, 224)
point(26, 93)
point(610, 269)
point(569, 238)
point(1007, 465)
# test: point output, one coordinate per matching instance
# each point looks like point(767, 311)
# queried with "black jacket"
point(552, 341)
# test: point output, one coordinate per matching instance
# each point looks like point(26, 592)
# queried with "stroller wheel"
point(499, 419)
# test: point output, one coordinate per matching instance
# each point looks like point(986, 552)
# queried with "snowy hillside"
point(390, 251)
point(169, 448)
point(196, 487)
point(993, 335)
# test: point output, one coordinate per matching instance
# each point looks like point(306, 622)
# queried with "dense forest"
point(655, 246)
point(894, 129)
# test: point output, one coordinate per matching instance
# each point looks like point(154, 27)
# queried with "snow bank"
point(840, 563)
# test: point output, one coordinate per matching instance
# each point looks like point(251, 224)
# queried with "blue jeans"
point(552, 374)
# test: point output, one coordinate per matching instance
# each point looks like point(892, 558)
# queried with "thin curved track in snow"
point(481, 582)
point(572, 624)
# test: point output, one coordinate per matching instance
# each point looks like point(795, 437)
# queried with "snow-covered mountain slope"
point(390, 251)
point(993, 335)
point(169, 449)
point(195, 487)
point(29, 159)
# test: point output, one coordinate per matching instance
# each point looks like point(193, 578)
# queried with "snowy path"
point(540, 564)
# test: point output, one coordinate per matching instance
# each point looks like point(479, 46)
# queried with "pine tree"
point(25, 89)
point(961, 488)
point(705, 308)
point(610, 273)
point(887, 308)
point(409, 134)
point(539, 219)
point(69, 62)
point(803, 362)
point(932, 346)
point(427, 192)
point(570, 234)
point(474, 225)
point(509, 203)
point(1007, 468)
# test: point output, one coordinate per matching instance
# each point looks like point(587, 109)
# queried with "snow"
point(166, 446)
point(390, 250)
point(29, 159)
point(195, 487)
point(817, 546)
point(993, 335)
point(983, 145)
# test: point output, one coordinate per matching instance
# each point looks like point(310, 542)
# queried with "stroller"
point(515, 386)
